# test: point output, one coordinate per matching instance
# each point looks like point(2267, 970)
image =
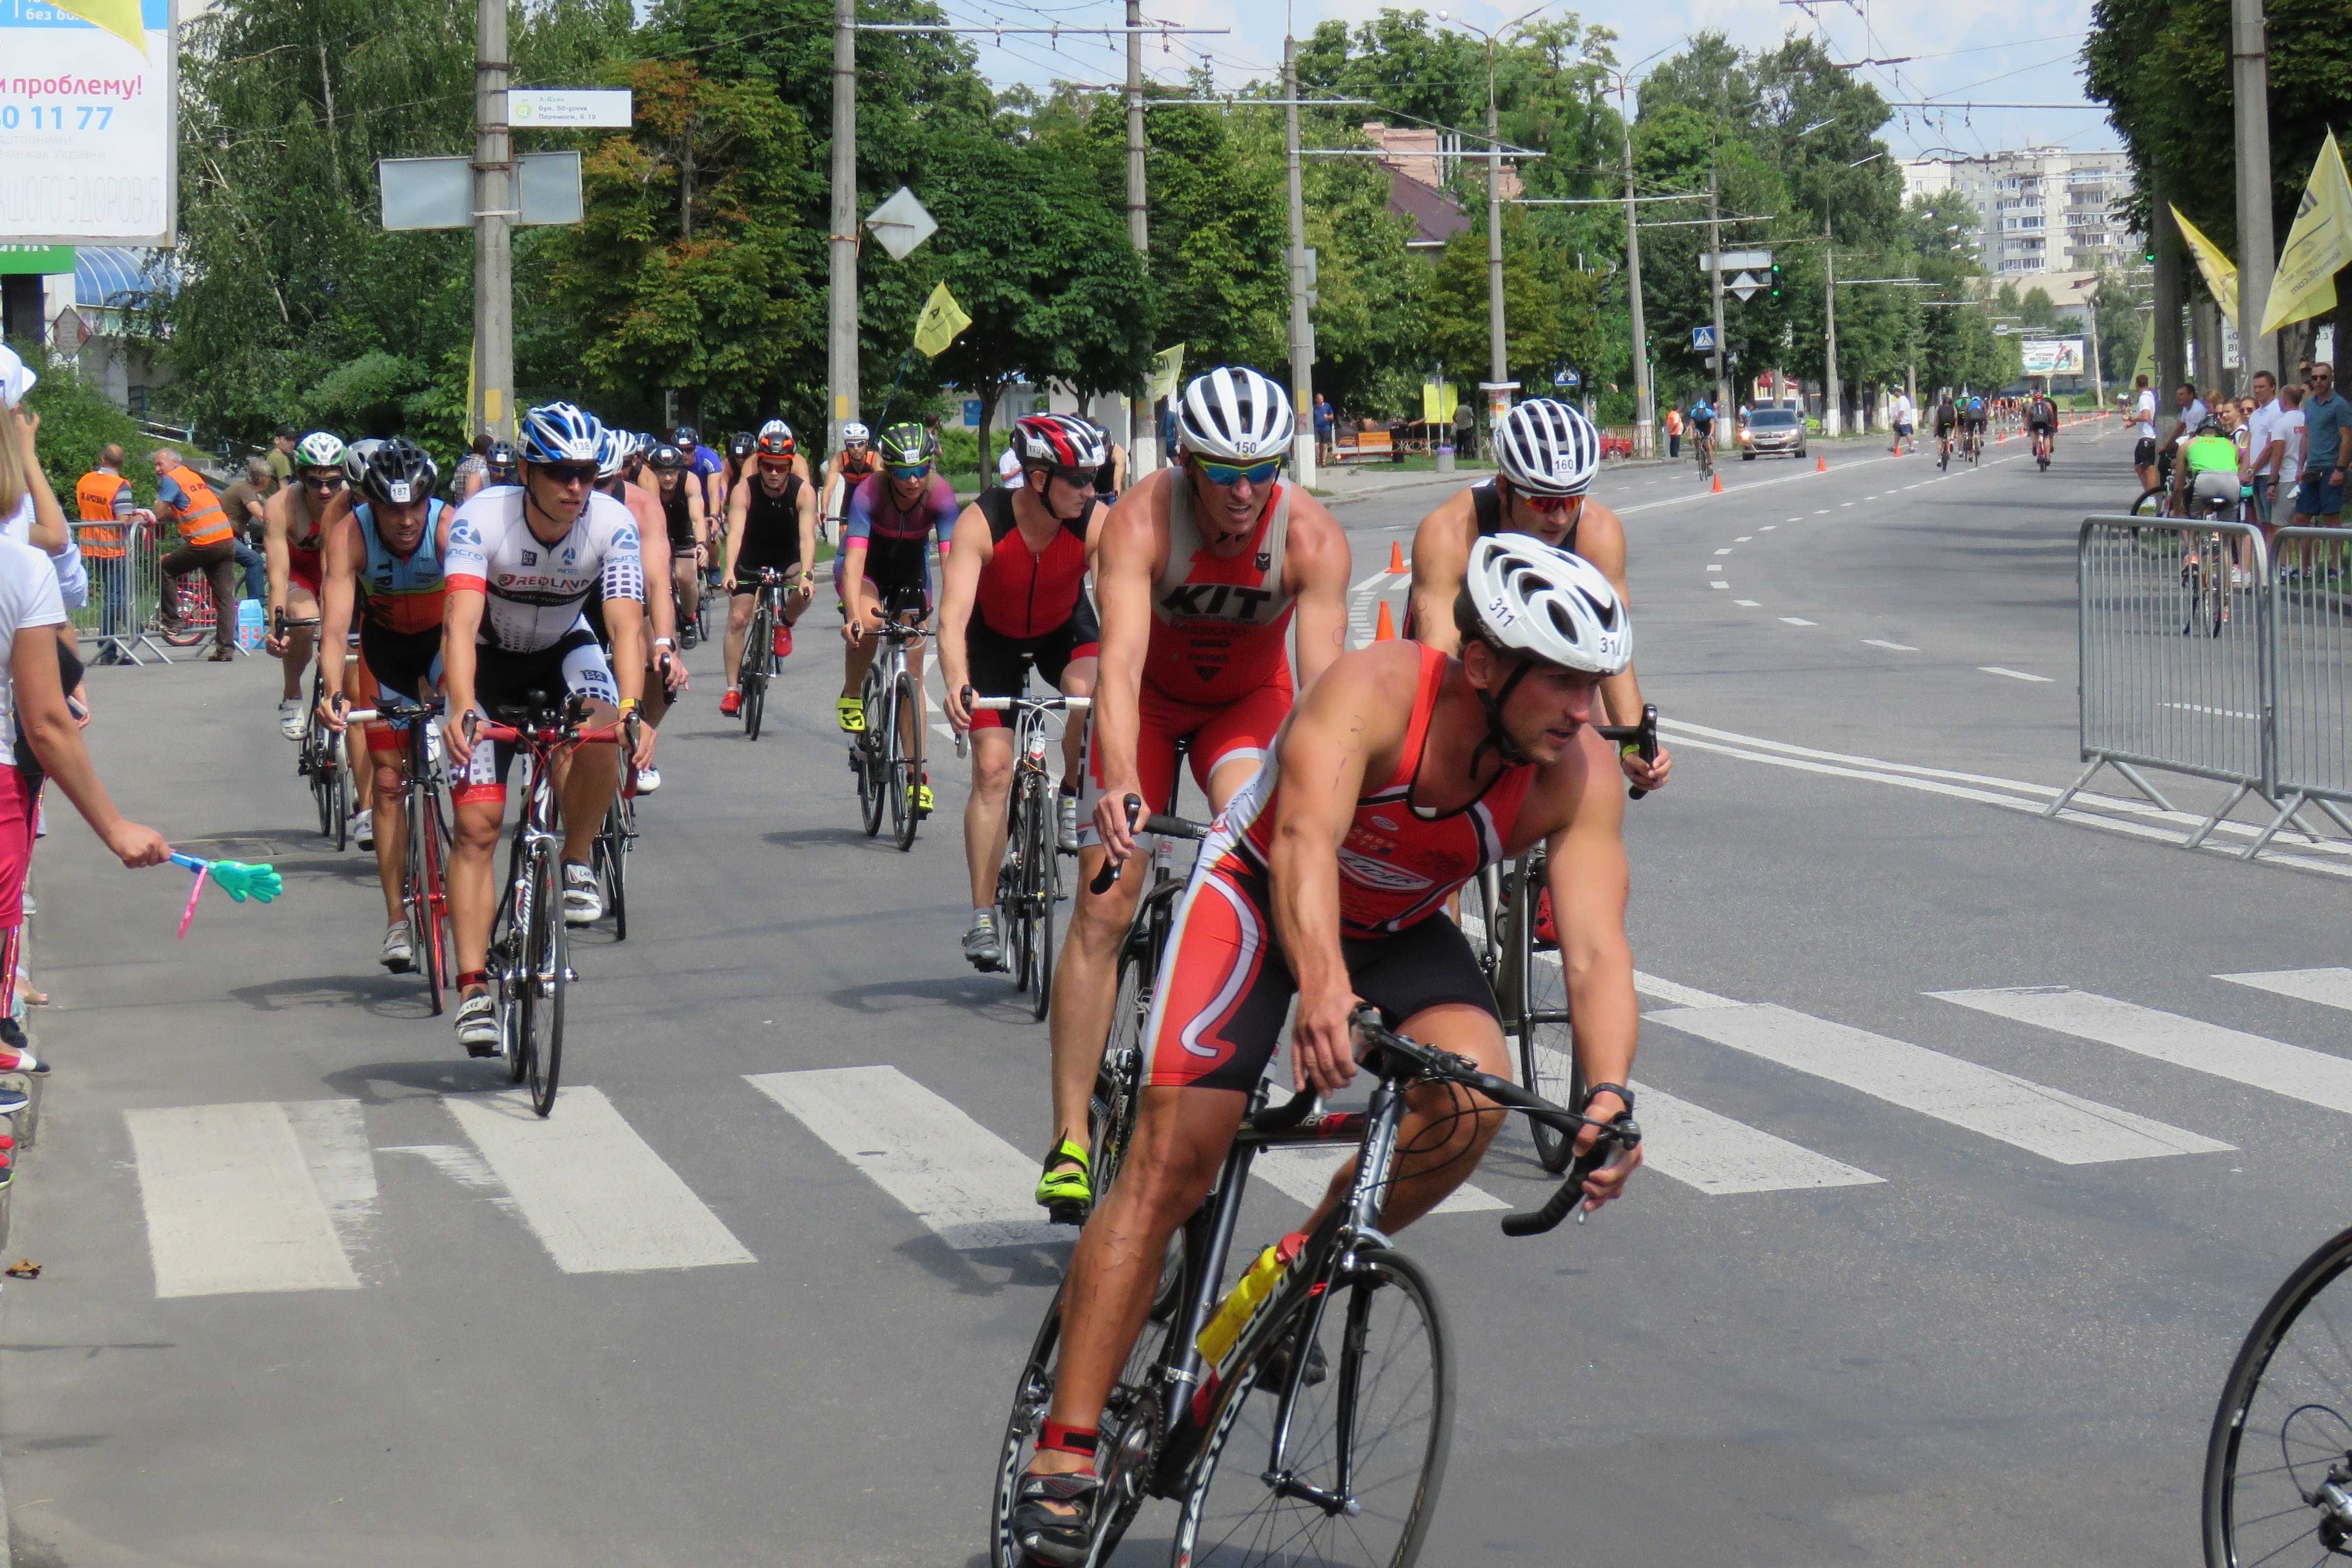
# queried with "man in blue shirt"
point(706, 466)
point(2326, 451)
point(1701, 421)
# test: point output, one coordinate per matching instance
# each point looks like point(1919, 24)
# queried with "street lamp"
point(1499, 390)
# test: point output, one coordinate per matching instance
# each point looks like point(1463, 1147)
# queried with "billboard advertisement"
point(2053, 356)
point(88, 114)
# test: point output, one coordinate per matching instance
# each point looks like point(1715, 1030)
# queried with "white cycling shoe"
point(290, 718)
point(583, 901)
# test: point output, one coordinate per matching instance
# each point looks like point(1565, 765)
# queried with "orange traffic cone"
point(1717, 489)
point(1396, 556)
point(1385, 630)
point(1820, 465)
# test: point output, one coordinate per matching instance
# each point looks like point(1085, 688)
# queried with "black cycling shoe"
point(1276, 1370)
point(1046, 1534)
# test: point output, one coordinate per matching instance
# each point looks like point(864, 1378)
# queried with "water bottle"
point(251, 628)
point(1233, 1313)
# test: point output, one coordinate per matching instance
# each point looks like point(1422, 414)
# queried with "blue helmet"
point(562, 433)
point(612, 452)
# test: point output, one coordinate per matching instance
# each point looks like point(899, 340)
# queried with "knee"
point(991, 774)
point(476, 831)
point(390, 782)
point(1171, 1179)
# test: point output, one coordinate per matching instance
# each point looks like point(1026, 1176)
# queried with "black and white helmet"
point(1234, 415)
point(1544, 603)
point(1545, 448)
point(355, 460)
point(398, 473)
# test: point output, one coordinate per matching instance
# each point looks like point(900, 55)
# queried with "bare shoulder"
point(1317, 550)
point(1600, 538)
point(1442, 542)
point(1132, 531)
point(1369, 690)
point(1579, 790)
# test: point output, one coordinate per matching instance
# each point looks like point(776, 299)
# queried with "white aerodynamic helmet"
point(355, 460)
point(1234, 415)
point(1545, 448)
point(1532, 599)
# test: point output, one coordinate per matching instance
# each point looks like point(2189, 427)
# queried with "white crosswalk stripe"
point(2328, 987)
point(2014, 1110)
point(2315, 1077)
point(1304, 1172)
point(593, 1192)
point(231, 1203)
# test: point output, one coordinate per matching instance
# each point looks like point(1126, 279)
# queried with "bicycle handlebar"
point(1644, 735)
point(1007, 704)
point(1622, 1134)
point(1165, 827)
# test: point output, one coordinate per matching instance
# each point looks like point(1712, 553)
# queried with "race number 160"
point(53, 116)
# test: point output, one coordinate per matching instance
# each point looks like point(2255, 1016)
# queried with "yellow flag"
point(1167, 370)
point(942, 319)
point(2220, 272)
point(2317, 247)
point(120, 17)
point(1431, 391)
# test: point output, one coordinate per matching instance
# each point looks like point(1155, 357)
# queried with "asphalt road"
point(1914, 1279)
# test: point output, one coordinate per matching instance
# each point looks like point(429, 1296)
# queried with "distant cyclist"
point(665, 670)
point(1972, 425)
point(1701, 420)
point(886, 554)
point(1016, 592)
point(843, 472)
point(2041, 420)
point(1946, 422)
point(291, 520)
point(682, 525)
point(770, 525)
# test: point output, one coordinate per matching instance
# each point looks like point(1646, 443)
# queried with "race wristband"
point(1619, 1090)
point(663, 642)
point(628, 704)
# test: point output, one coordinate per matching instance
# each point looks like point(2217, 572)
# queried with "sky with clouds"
point(1991, 51)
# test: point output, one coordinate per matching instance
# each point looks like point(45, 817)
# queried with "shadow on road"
point(439, 1077)
point(988, 1271)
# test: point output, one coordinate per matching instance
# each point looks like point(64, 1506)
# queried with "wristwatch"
point(1619, 1090)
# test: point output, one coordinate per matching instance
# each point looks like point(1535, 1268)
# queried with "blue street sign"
point(1566, 378)
point(1702, 336)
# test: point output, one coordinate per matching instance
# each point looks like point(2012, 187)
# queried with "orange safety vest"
point(94, 493)
point(202, 520)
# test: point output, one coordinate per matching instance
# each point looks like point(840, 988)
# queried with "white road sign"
point(541, 109)
point(89, 124)
point(1745, 286)
point(1738, 261)
point(901, 224)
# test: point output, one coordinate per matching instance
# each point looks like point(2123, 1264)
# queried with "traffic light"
point(1776, 281)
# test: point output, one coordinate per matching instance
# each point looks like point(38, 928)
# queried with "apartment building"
point(2042, 209)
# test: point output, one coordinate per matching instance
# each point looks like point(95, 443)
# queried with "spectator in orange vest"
point(207, 544)
point(103, 498)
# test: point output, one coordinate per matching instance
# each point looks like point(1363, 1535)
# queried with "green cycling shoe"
point(1065, 1190)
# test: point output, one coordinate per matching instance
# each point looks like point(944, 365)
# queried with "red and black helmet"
point(1058, 441)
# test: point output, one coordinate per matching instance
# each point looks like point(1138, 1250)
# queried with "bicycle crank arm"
point(1290, 1486)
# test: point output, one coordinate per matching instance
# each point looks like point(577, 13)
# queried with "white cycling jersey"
point(536, 591)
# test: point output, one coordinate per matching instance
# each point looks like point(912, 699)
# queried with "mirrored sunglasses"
point(1234, 473)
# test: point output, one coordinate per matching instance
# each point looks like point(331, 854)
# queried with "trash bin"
point(1445, 460)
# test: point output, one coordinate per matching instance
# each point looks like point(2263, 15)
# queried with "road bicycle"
point(1531, 982)
point(609, 855)
point(1029, 878)
point(321, 759)
point(761, 659)
point(2278, 1463)
point(2042, 449)
point(527, 964)
point(887, 755)
point(2208, 572)
point(193, 615)
point(1703, 447)
point(424, 885)
point(1318, 1430)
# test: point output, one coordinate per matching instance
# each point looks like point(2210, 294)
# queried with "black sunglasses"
point(570, 473)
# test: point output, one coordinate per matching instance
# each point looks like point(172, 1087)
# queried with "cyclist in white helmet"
point(1448, 764)
point(843, 473)
point(1198, 571)
point(293, 534)
point(1546, 454)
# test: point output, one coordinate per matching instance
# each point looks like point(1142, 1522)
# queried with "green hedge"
point(76, 421)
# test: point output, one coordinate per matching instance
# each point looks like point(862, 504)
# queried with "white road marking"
point(2014, 1110)
point(332, 1134)
point(593, 1192)
point(1823, 512)
point(1667, 991)
point(1718, 582)
point(2328, 987)
point(1799, 621)
point(2014, 673)
point(1724, 551)
point(1868, 497)
point(1304, 1171)
point(1721, 1157)
point(967, 1185)
point(1359, 586)
point(1749, 604)
point(1743, 539)
point(1890, 647)
point(231, 1203)
point(1714, 566)
point(2315, 1078)
point(1843, 504)
point(1769, 526)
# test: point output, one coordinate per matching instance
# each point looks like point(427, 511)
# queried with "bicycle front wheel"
point(753, 676)
point(542, 981)
point(418, 889)
point(1365, 1447)
point(2279, 1462)
point(611, 850)
point(907, 768)
point(1043, 875)
point(871, 756)
point(1537, 1008)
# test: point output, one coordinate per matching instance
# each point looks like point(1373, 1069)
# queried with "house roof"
point(1435, 215)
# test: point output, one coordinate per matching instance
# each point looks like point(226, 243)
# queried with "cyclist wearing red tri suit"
point(1200, 571)
point(1402, 772)
point(1015, 595)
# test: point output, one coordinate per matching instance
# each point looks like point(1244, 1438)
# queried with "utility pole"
point(2249, 74)
point(841, 328)
point(1646, 414)
point(1832, 406)
point(494, 215)
point(1143, 434)
point(1302, 326)
point(1723, 403)
point(1498, 370)
point(2099, 379)
point(2169, 353)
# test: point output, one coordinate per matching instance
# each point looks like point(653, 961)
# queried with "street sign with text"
point(546, 109)
point(1738, 261)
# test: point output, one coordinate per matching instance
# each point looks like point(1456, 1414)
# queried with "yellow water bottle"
point(1233, 1313)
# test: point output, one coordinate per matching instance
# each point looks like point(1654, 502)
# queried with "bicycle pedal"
point(1066, 1214)
point(571, 975)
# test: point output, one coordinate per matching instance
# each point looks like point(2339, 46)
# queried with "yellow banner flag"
point(1439, 401)
point(942, 319)
point(2220, 272)
point(1167, 370)
point(120, 18)
point(2317, 247)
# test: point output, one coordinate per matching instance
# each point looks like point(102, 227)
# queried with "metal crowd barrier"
point(2311, 663)
point(123, 619)
point(2176, 657)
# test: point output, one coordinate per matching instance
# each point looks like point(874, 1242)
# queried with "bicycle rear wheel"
point(1011, 886)
point(907, 768)
point(1043, 874)
point(542, 981)
point(871, 756)
point(2283, 1433)
point(1369, 1441)
point(753, 676)
point(339, 795)
point(419, 882)
point(612, 855)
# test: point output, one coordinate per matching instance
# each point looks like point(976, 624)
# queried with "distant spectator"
point(2264, 446)
point(1466, 430)
point(1323, 425)
point(1905, 416)
point(207, 544)
point(103, 497)
point(1673, 432)
point(282, 454)
point(244, 502)
point(473, 468)
point(2327, 417)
